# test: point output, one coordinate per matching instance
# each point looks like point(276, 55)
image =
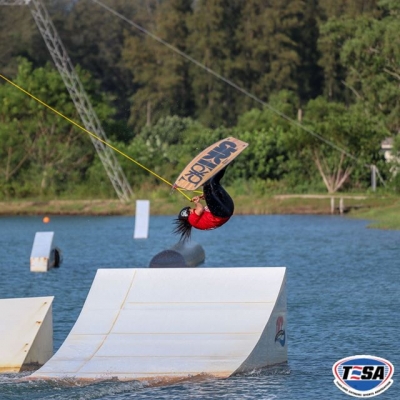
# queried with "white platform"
point(26, 333)
point(142, 217)
point(168, 323)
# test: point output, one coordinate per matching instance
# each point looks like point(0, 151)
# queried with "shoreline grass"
point(383, 211)
point(384, 217)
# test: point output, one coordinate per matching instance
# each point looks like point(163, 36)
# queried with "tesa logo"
point(363, 376)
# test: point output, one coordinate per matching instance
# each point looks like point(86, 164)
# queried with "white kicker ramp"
point(142, 217)
point(43, 252)
point(169, 323)
point(26, 333)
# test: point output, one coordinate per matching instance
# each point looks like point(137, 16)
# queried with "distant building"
point(387, 147)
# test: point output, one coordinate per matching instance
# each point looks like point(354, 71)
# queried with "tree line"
point(312, 85)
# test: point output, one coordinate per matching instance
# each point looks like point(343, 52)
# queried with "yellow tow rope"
point(93, 135)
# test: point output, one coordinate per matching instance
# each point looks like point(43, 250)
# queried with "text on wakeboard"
point(209, 161)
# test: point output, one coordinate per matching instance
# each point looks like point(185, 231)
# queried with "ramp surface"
point(173, 323)
point(26, 333)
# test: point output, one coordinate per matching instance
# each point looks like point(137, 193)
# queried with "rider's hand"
point(196, 199)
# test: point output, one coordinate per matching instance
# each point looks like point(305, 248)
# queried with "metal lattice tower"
point(77, 93)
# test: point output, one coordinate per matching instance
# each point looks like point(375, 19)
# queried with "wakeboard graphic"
point(211, 160)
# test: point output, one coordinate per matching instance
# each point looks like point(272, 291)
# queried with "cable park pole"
point(77, 93)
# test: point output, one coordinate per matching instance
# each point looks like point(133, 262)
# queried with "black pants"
point(217, 198)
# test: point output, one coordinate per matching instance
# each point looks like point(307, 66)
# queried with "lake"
point(343, 291)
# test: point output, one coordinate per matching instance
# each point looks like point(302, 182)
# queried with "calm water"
point(343, 293)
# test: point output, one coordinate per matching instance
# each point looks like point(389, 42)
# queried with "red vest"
point(206, 220)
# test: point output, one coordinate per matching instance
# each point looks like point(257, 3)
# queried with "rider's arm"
point(199, 207)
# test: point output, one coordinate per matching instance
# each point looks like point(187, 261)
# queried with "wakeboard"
point(210, 161)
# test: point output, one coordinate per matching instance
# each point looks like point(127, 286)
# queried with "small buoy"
point(46, 220)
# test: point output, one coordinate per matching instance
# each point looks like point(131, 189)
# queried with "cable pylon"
point(77, 93)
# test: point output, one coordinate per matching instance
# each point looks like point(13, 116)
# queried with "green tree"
point(44, 154)
point(309, 74)
point(339, 21)
point(19, 36)
point(212, 42)
point(347, 141)
point(333, 34)
point(271, 40)
point(168, 145)
point(94, 40)
point(372, 59)
point(353, 8)
point(266, 156)
point(273, 157)
point(160, 74)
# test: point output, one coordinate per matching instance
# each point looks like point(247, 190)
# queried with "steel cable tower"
point(77, 93)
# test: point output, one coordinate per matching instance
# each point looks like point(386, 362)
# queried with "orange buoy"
point(46, 220)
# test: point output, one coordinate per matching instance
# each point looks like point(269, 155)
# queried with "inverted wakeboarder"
point(219, 208)
point(207, 169)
